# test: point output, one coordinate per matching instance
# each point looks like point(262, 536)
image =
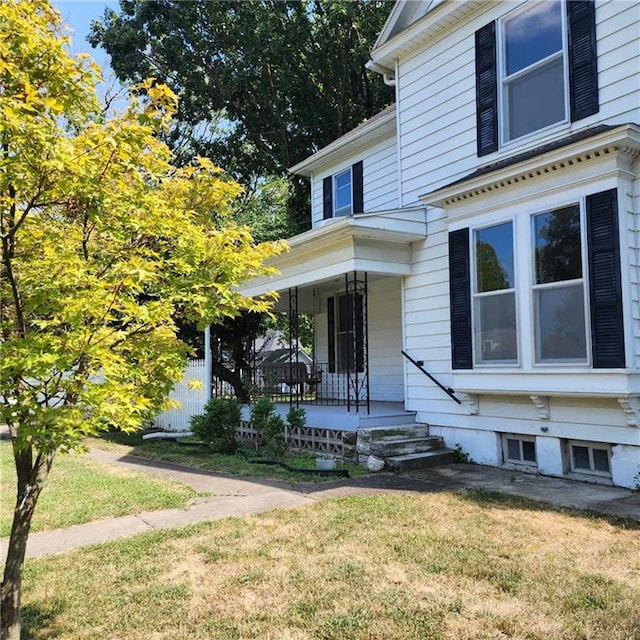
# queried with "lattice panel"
point(310, 439)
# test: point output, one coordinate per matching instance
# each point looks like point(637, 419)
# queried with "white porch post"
point(208, 365)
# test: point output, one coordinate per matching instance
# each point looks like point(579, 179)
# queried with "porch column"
point(294, 338)
point(357, 341)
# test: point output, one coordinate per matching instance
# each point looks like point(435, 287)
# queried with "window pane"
point(513, 449)
point(536, 99)
point(560, 325)
point(494, 258)
point(580, 457)
point(528, 451)
point(557, 245)
point(600, 460)
point(533, 35)
point(496, 328)
point(343, 192)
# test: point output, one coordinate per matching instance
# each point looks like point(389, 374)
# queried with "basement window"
point(585, 457)
point(519, 450)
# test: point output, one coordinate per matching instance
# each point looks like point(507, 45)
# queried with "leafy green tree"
point(104, 244)
point(262, 83)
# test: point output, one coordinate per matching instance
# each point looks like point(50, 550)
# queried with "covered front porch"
point(347, 276)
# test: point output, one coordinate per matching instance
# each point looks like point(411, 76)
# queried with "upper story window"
point(535, 68)
point(342, 193)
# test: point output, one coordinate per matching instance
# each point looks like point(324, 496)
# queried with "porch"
point(347, 275)
point(337, 418)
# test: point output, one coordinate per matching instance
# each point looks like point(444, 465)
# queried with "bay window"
point(540, 289)
point(558, 289)
point(494, 308)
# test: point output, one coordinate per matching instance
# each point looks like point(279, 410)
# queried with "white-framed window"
point(590, 458)
point(560, 328)
point(494, 296)
point(518, 449)
point(549, 324)
point(342, 193)
point(533, 69)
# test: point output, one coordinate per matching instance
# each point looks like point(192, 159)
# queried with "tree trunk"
point(30, 482)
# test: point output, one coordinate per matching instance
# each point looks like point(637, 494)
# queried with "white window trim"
point(586, 363)
point(503, 118)
point(521, 438)
point(524, 278)
point(346, 210)
point(590, 446)
point(475, 295)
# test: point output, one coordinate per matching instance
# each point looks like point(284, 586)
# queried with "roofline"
point(624, 138)
point(363, 132)
point(437, 18)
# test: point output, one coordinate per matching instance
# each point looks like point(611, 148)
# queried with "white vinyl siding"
point(436, 96)
point(380, 186)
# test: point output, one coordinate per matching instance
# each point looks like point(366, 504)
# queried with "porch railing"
point(318, 383)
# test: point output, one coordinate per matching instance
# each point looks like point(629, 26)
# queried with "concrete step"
point(393, 432)
point(400, 446)
point(414, 461)
point(400, 418)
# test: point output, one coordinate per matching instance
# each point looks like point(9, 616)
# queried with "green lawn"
point(392, 567)
point(80, 490)
point(239, 464)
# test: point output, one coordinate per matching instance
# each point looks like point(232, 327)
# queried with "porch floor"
point(337, 417)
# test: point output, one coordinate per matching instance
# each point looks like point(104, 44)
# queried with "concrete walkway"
point(229, 496)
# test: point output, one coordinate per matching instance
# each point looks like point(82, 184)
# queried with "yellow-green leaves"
point(104, 243)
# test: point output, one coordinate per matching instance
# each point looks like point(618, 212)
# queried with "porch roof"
point(377, 243)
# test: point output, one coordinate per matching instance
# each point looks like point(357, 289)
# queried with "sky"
point(78, 15)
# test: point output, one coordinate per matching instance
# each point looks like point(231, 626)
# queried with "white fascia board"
point(439, 16)
point(606, 383)
point(398, 225)
point(375, 128)
point(623, 139)
point(345, 245)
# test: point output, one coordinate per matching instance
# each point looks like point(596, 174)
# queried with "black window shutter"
point(605, 288)
point(358, 191)
point(486, 90)
point(331, 333)
point(460, 299)
point(583, 59)
point(327, 197)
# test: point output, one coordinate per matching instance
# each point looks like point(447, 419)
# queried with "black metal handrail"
point(418, 363)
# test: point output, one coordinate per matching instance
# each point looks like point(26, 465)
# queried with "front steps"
point(405, 447)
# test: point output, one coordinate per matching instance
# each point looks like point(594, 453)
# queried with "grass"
point(201, 458)
point(79, 490)
point(398, 567)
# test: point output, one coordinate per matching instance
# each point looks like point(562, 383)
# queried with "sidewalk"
point(235, 497)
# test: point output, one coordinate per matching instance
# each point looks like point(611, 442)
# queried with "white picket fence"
point(191, 400)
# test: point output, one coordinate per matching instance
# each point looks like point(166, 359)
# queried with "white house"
point(488, 226)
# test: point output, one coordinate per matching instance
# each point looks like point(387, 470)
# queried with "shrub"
point(270, 427)
point(297, 417)
point(217, 426)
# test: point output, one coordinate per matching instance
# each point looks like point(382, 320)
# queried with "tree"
point(104, 245)
point(262, 84)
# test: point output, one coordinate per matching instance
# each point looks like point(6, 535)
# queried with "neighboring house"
point(488, 225)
